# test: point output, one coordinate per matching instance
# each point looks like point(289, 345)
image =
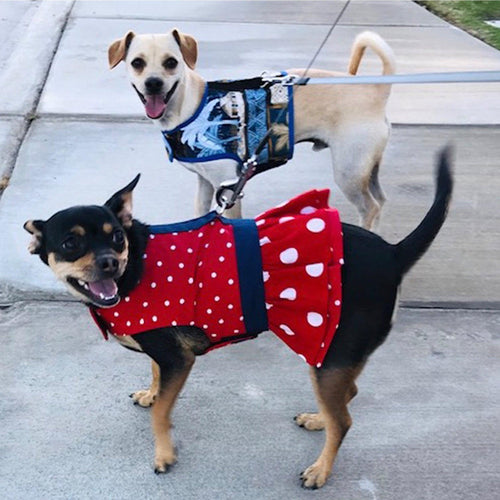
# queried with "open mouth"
point(156, 104)
point(103, 293)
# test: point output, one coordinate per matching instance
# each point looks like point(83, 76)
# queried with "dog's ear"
point(188, 46)
point(121, 203)
point(117, 51)
point(35, 228)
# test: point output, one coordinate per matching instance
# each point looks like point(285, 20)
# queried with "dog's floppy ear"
point(121, 203)
point(188, 46)
point(35, 228)
point(117, 51)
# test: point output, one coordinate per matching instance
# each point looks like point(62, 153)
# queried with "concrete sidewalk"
point(73, 132)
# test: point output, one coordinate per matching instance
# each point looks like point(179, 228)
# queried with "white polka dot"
point(190, 281)
point(174, 323)
point(141, 321)
point(152, 236)
point(209, 311)
point(212, 223)
point(191, 323)
point(145, 304)
point(314, 319)
point(213, 335)
point(200, 263)
point(230, 281)
point(241, 318)
point(173, 247)
point(264, 241)
point(222, 231)
point(216, 298)
point(236, 331)
point(153, 285)
point(341, 262)
point(205, 326)
point(155, 319)
point(318, 365)
point(175, 234)
point(181, 265)
point(200, 285)
point(268, 306)
point(289, 256)
point(322, 345)
point(221, 321)
point(189, 250)
point(127, 299)
point(181, 301)
point(166, 303)
point(285, 219)
point(308, 210)
point(128, 323)
point(287, 330)
point(115, 314)
point(170, 279)
point(229, 244)
point(337, 302)
point(260, 222)
point(214, 275)
point(315, 270)
point(315, 225)
point(230, 306)
point(200, 235)
point(221, 259)
point(265, 275)
point(288, 294)
point(145, 256)
point(112, 324)
point(207, 245)
point(159, 263)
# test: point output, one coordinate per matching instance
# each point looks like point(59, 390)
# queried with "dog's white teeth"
point(83, 284)
point(101, 295)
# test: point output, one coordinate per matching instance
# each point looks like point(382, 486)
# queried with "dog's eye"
point(118, 236)
point(138, 63)
point(70, 244)
point(170, 63)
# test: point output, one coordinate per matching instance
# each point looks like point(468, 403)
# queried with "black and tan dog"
point(97, 251)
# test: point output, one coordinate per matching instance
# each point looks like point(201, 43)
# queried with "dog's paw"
point(315, 476)
point(164, 462)
point(144, 398)
point(310, 421)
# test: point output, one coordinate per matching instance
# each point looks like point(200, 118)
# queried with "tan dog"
point(349, 119)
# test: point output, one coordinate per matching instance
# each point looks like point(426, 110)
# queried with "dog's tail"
point(378, 45)
point(411, 248)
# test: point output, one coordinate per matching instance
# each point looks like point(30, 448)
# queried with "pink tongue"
point(154, 106)
point(104, 288)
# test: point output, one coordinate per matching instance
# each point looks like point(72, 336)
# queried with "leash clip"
point(229, 192)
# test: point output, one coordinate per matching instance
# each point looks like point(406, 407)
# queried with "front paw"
point(315, 476)
point(164, 461)
point(144, 398)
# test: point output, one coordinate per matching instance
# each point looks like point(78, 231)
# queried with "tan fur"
point(350, 119)
point(36, 240)
point(107, 228)
point(79, 230)
point(146, 397)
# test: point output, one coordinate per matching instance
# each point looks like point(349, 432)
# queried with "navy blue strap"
point(246, 239)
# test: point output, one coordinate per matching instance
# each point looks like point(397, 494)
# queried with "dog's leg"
point(171, 383)
point(377, 192)
point(146, 397)
point(234, 212)
point(334, 389)
point(311, 421)
point(204, 197)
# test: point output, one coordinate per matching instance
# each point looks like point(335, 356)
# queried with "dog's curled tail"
point(411, 248)
point(378, 45)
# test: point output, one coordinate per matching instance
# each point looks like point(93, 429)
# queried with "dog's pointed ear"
point(35, 228)
point(117, 51)
point(121, 203)
point(188, 46)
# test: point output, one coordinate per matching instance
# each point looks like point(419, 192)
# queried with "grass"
point(470, 16)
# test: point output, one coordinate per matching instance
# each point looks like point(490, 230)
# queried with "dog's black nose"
point(107, 264)
point(154, 85)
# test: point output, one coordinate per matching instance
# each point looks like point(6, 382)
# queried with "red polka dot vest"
point(237, 278)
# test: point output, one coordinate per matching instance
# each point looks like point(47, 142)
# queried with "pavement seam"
point(11, 151)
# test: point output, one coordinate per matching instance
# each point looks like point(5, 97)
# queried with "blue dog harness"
point(230, 122)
